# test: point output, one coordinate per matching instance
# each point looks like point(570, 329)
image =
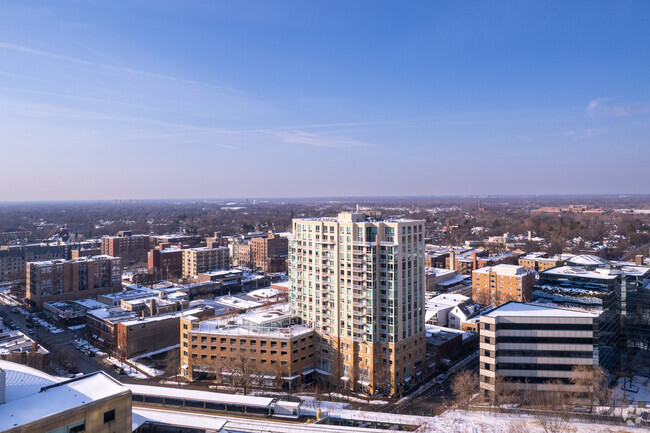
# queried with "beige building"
point(496, 285)
point(67, 280)
point(265, 345)
point(34, 402)
point(540, 262)
point(359, 282)
point(197, 260)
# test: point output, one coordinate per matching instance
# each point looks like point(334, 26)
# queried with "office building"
point(496, 285)
point(620, 290)
point(67, 280)
point(534, 347)
point(199, 260)
point(358, 281)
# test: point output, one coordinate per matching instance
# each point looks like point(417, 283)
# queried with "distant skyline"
point(157, 100)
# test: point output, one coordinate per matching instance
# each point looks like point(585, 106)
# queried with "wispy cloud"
point(600, 107)
point(75, 60)
point(318, 140)
point(591, 133)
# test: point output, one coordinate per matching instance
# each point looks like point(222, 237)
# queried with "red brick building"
point(166, 261)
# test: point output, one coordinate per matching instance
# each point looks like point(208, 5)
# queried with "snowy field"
point(482, 422)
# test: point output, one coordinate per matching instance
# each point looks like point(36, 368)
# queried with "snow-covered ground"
point(156, 352)
point(149, 370)
point(483, 422)
point(76, 327)
point(53, 329)
point(131, 371)
point(128, 370)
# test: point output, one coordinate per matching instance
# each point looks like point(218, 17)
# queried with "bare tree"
point(464, 385)
point(591, 383)
point(172, 362)
point(281, 371)
point(555, 405)
point(384, 381)
point(243, 372)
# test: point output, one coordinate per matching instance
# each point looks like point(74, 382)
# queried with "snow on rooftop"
point(510, 309)
point(503, 269)
point(603, 274)
point(587, 259)
point(28, 400)
point(191, 394)
point(264, 293)
point(237, 302)
point(180, 419)
point(89, 303)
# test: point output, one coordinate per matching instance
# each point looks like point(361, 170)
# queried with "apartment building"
point(129, 247)
point(165, 260)
point(358, 280)
point(32, 401)
point(266, 345)
point(13, 258)
point(540, 261)
point(534, 347)
point(496, 285)
point(198, 260)
point(67, 280)
point(268, 254)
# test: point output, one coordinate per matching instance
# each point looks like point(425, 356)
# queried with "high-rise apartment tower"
point(358, 281)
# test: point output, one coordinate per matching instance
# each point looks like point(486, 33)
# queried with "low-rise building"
point(34, 402)
point(266, 345)
point(149, 334)
point(540, 261)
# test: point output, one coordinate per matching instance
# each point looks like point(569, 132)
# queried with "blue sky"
point(205, 99)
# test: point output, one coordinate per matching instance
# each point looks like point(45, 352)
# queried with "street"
point(63, 341)
point(433, 400)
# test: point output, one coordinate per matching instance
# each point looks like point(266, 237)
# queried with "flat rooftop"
point(32, 396)
point(503, 269)
point(511, 309)
point(572, 271)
